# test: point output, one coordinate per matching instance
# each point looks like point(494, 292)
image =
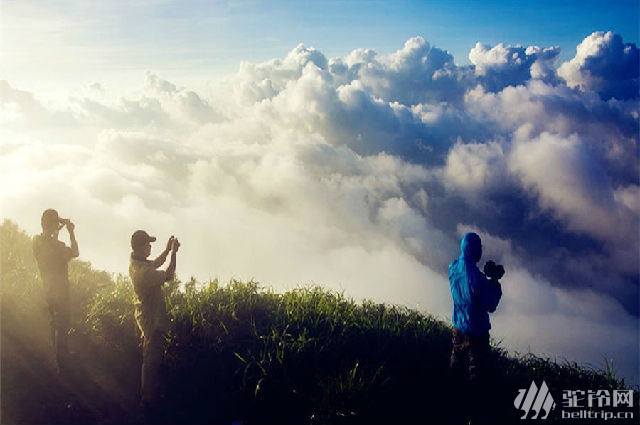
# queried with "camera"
point(493, 271)
point(65, 222)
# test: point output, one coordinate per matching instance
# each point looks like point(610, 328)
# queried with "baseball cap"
point(140, 238)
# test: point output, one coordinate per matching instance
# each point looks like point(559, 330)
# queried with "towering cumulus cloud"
point(604, 64)
point(361, 173)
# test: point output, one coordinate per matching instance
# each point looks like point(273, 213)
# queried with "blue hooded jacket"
point(474, 296)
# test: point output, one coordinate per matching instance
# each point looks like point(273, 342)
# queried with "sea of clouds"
point(361, 174)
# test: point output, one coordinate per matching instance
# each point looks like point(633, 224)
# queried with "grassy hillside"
point(239, 353)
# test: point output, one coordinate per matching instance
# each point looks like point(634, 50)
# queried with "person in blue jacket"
point(474, 296)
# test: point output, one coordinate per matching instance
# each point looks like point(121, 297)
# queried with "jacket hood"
point(471, 247)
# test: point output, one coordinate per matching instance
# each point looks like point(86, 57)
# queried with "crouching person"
point(150, 311)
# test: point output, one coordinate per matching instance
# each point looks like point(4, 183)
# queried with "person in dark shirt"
point(53, 257)
point(150, 311)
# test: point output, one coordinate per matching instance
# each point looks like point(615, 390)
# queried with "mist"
point(361, 173)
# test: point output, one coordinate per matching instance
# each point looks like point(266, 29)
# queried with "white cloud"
point(475, 167)
point(565, 177)
point(604, 64)
point(358, 173)
point(417, 73)
point(501, 66)
point(565, 324)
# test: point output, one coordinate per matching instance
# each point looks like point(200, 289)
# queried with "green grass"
point(241, 352)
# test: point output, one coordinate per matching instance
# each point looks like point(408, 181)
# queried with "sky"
point(344, 144)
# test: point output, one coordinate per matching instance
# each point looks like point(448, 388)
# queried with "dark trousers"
point(152, 356)
point(469, 356)
point(59, 314)
point(470, 364)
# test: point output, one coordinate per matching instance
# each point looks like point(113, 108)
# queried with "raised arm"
point(171, 270)
point(75, 251)
point(163, 256)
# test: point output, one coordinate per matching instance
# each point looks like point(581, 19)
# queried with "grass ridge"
point(240, 352)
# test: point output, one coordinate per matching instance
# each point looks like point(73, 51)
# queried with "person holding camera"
point(53, 256)
point(475, 295)
point(150, 309)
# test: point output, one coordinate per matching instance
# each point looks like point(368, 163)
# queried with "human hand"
point(175, 245)
point(67, 222)
point(170, 243)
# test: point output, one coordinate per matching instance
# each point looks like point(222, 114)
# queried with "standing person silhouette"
point(53, 257)
point(475, 295)
point(150, 311)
